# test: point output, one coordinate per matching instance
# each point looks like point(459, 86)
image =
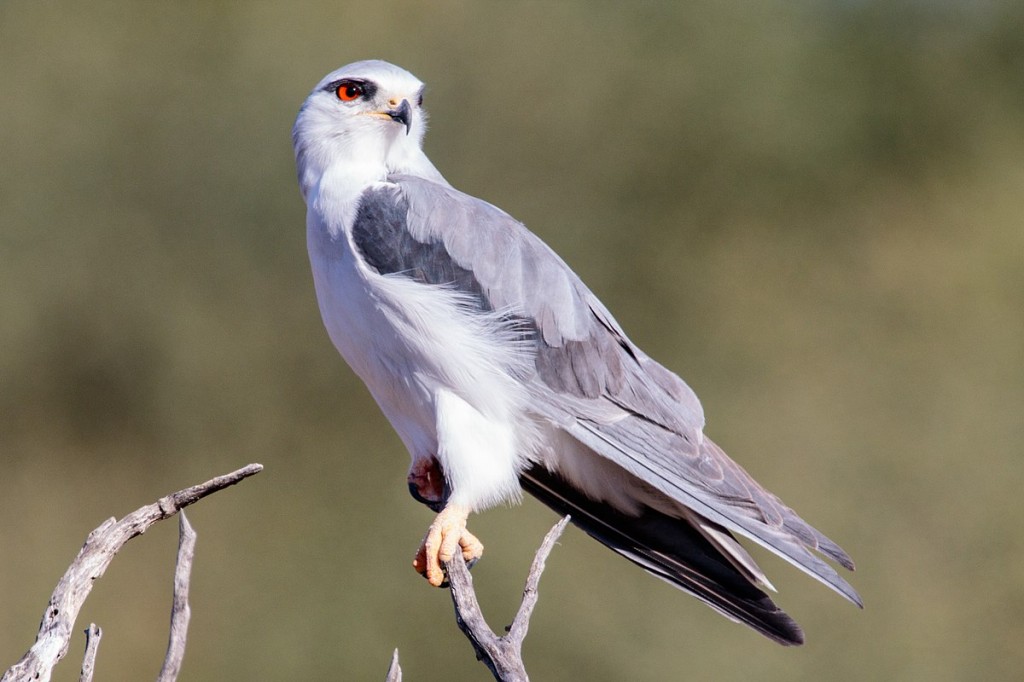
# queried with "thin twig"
point(394, 670)
point(180, 611)
point(521, 623)
point(503, 656)
point(92, 561)
point(93, 634)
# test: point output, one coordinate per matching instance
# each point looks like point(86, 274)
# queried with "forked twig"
point(92, 561)
point(502, 655)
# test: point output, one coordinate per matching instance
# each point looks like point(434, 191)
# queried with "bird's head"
point(368, 113)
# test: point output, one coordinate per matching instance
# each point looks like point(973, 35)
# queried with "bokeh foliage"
point(813, 211)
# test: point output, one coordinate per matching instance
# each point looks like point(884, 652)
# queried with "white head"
point(367, 114)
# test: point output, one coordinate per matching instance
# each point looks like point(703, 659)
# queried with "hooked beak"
point(403, 115)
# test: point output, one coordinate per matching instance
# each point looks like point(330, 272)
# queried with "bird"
point(501, 372)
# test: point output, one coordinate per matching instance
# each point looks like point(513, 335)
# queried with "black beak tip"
point(402, 114)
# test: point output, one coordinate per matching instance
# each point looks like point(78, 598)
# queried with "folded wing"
point(594, 383)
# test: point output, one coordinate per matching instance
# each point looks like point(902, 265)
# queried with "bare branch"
point(394, 670)
point(92, 561)
point(502, 655)
point(180, 611)
point(92, 643)
point(521, 623)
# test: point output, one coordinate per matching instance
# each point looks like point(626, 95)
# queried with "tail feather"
point(671, 549)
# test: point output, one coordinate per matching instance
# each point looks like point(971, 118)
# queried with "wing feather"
point(677, 553)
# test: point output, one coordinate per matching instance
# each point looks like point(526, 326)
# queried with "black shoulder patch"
point(382, 235)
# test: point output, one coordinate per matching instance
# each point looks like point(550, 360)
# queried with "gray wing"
point(438, 235)
point(590, 378)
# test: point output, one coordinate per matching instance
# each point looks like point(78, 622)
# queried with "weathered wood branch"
point(180, 611)
point(502, 655)
point(93, 634)
point(394, 670)
point(100, 548)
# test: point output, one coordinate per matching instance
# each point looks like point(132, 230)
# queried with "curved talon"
point(446, 533)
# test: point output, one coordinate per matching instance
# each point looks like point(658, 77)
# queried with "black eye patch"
point(360, 87)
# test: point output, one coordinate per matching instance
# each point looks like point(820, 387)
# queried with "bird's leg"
point(446, 534)
point(427, 484)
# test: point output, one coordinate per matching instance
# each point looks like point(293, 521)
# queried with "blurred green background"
point(813, 211)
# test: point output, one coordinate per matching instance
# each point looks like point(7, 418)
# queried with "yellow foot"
point(446, 533)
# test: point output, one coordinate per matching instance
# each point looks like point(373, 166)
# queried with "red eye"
point(349, 92)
